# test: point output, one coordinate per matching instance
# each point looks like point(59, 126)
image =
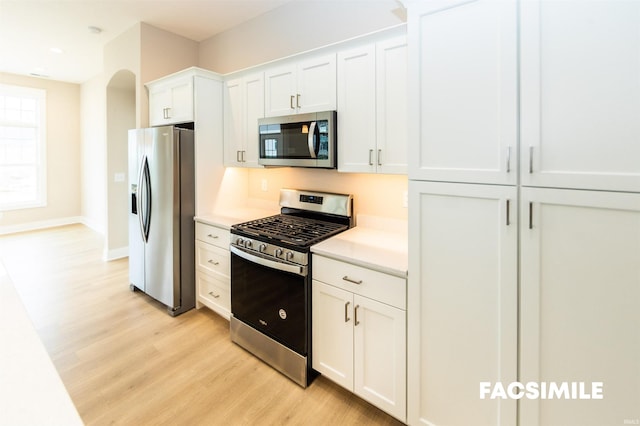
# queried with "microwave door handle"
point(310, 140)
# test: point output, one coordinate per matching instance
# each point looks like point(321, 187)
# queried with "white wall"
point(63, 157)
point(121, 113)
point(294, 28)
point(93, 154)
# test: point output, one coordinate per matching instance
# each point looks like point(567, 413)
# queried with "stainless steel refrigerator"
point(161, 211)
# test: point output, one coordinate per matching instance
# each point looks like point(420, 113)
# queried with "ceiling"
point(30, 29)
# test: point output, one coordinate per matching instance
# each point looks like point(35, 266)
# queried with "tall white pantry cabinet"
point(524, 260)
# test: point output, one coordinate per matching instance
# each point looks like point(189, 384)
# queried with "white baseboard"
point(43, 224)
point(114, 254)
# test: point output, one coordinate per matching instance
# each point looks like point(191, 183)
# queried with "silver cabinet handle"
point(351, 280)
point(298, 100)
point(530, 159)
point(346, 315)
point(291, 102)
point(508, 211)
point(371, 157)
point(238, 160)
point(355, 315)
point(215, 296)
point(379, 157)
point(509, 159)
point(530, 215)
point(212, 236)
point(213, 262)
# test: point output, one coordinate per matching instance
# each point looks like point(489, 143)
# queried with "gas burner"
point(299, 231)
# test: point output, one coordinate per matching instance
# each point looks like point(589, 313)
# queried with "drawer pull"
point(215, 296)
point(213, 262)
point(212, 236)
point(355, 315)
point(351, 280)
point(346, 316)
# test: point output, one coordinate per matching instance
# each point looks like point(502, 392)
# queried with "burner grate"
point(295, 230)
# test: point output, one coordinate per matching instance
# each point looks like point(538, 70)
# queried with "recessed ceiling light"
point(55, 50)
point(94, 30)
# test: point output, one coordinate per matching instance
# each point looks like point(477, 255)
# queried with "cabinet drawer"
point(213, 235)
point(214, 292)
point(212, 259)
point(365, 282)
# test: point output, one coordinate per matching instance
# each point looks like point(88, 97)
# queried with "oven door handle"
point(294, 269)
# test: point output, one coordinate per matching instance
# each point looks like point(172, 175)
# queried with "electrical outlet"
point(263, 185)
point(118, 177)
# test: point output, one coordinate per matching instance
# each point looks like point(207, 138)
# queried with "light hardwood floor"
point(125, 361)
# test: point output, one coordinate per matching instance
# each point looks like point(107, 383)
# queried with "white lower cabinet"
point(213, 269)
point(580, 304)
point(359, 332)
point(462, 302)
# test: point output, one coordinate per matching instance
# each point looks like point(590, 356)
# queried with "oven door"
point(271, 297)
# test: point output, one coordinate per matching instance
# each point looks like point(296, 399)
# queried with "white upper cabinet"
point(463, 99)
point(391, 102)
point(243, 106)
point(171, 101)
point(580, 94)
point(357, 110)
point(301, 87)
point(372, 108)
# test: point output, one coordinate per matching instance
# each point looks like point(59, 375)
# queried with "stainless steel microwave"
point(303, 140)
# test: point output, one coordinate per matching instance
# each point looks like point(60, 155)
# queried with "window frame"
point(40, 95)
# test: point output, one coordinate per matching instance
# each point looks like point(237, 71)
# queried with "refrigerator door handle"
point(147, 213)
point(140, 199)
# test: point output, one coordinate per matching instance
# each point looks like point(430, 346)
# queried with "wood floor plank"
point(125, 361)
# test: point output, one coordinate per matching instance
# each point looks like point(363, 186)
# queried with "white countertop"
point(377, 244)
point(31, 391)
point(235, 215)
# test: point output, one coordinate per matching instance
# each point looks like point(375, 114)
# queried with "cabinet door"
point(171, 102)
point(580, 298)
point(332, 333)
point(580, 96)
point(391, 101)
point(461, 302)
point(159, 101)
point(316, 82)
point(280, 90)
point(181, 108)
point(463, 99)
point(380, 355)
point(233, 122)
point(253, 110)
point(357, 110)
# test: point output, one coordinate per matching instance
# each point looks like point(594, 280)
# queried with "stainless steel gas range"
point(271, 278)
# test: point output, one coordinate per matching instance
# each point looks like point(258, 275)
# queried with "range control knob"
point(240, 241)
point(262, 248)
point(278, 252)
point(248, 244)
point(289, 255)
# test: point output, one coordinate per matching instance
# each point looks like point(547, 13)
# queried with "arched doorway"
point(121, 116)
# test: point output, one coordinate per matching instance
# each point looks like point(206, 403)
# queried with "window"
point(22, 147)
